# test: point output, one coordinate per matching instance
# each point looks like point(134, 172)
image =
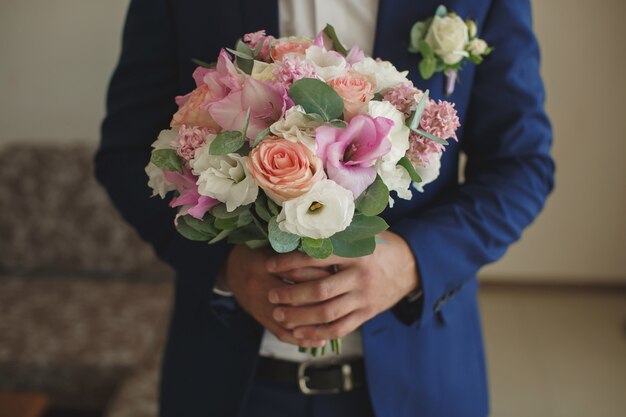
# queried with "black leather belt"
point(331, 376)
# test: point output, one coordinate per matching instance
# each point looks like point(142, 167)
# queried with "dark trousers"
point(269, 399)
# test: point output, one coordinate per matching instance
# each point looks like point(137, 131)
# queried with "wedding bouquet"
point(296, 143)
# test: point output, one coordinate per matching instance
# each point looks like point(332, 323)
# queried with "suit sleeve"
point(509, 170)
point(140, 103)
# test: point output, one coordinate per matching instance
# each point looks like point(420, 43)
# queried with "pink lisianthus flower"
point(293, 68)
point(440, 119)
point(265, 101)
point(254, 39)
point(349, 154)
point(190, 201)
point(189, 139)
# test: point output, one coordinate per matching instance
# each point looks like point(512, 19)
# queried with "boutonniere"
point(446, 42)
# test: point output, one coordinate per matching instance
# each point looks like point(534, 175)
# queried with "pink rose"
point(284, 169)
point(292, 45)
point(356, 91)
point(192, 110)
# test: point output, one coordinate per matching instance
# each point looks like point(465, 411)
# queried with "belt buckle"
point(346, 374)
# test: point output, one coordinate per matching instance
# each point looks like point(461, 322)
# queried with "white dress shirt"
point(355, 24)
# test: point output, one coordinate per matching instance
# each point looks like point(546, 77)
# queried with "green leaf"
point(317, 248)
point(255, 244)
point(329, 30)
point(221, 236)
point(202, 63)
point(273, 207)
point(260, 208)
point(427, 67)
point(406, 164)
point(203, 226)
point(442, 11)
point(316, 96)
point(243, 51)
point(227, 224)
point(245, 234)
point(425, 49)
point(339, 124)
point(419, 112)
point(166, 159)
point(221, 212)
point(354, 249)
point(374, 199)
point(260, 137)
point(191, 233)
point(227, 142)
point(246, 122)
point(431, 137)
point(282, 242)
point(362, 227)
point(417, 34)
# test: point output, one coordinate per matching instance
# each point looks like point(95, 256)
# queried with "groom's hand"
point(331, 308)
point(247, 277)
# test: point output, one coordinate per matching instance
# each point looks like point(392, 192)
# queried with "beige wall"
point(57, 57)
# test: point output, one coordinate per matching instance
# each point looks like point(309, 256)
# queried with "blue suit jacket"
point(425, 361)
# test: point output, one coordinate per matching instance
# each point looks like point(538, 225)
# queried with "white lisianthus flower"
point(382, 73)
point(477, 47)
point(328, 64)
point(262, 71)
point(398, 135)
point(448, 36)
point(295, 126)
point(157, 182)
point(225, 178)
point(165, 139)
point(326, 209)
point(428, 173)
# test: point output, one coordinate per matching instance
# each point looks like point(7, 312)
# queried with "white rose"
point(295, 126)
point(448, 37)
point(157, 182)
point(165, 139)
point(225, 178)
point(398, 135)
point(477, 47)
point(430, 173)
point(262, 71)
point(326, 209)
point(382, 73)
point(328, 64)
point(397, 179)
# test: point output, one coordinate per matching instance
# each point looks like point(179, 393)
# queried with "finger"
point(286, 336)
point(321, 313)
point(304, 274)
point(315, 291)
point(296, 260)
point(334, 330)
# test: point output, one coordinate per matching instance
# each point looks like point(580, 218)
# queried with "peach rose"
point(292, 45)
point(356, 91)
point(192, 110)
point(284, 169)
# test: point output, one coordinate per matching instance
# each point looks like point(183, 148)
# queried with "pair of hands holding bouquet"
point(289, 151)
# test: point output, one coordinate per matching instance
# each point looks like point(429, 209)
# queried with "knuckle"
point(328, 314)
point(322, 290)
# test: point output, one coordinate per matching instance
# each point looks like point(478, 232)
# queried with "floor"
point(555, 352)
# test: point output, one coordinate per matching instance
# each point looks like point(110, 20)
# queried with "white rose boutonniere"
point(446, 42)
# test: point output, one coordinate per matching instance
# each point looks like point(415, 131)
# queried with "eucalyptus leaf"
point(242, 53)
point(315, 96)
point(221, 212)
point(262, 135)
point(273, 207)
point(374, 199)
point(339, 124)
point(362, 227)
point(230, 223)
point(329, 30)
point(431, 137)
point(419, 111)
point(246, 122)
point(317, 248)
point(245, 234)
point(244, 219)
point(190, 233)
point(406, 164)
point(353, 249)
point(167, 159)
point(203, 226)
point(227, 142)
point(246, 65)
point(427, 67)
point(256, 244)
point(221, 236)
point(260, 208)
point(282, 242)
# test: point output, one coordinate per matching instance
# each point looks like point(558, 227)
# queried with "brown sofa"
point(84, 303)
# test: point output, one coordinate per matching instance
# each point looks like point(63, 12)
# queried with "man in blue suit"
point(421, 357)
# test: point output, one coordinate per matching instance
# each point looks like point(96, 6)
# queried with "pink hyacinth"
point(441, 119)
point(189, 139)
point(421, 149)
point(255, 38)
point(292, 68)
point(404, 97)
